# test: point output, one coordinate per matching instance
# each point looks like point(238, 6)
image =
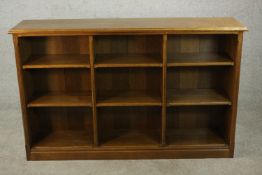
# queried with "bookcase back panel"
point(121, 118)
point(130, 44)
point(59, 80)
point(59, 45)
point(196, 78)
point(197, 126)
point(53, 119)
point(32, 47)
point(197, 117)
point(113, 121)
point(44, 121)
point(200, 44)
point(128, 79)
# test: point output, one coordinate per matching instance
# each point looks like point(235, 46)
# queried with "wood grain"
point(199, 59)
point(19, 57)
point(126, 25)
point(129, 98)
point(58, 61)
point(195, 138)
point(127, 60)
point(189, 97)
point(64, 140)
point(131, 154)
point(233, 89)
point(61, 100)
point(131, 139)
point(93, 88)
point(164, 90)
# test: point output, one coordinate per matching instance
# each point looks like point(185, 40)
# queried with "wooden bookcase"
point(128, 88)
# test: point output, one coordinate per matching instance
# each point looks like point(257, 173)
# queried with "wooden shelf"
point(58, 61)
point(64, 140)
point(62, 100)
point(194, 138)
point(127, 60)
point(199, 59)
point(131, 138)
point(129, 98)
point(191, 97)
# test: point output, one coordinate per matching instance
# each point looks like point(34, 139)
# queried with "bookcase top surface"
point(119, 25)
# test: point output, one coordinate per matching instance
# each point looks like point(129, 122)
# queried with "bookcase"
point(128, 88)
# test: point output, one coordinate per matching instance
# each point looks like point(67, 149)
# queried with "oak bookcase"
point(128, 88)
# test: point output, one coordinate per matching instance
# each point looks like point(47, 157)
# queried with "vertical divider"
point(164, 100)
point(93, 89)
